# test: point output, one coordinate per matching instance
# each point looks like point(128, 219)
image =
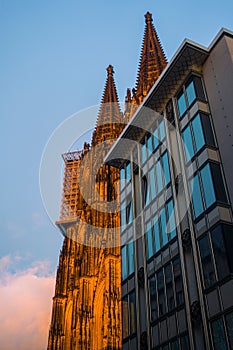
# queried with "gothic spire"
point(152, 61)
point(109, 114)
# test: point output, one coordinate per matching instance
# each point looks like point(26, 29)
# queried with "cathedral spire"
point(109, 113)
point(152, 63)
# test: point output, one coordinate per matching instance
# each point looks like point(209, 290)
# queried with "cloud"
point(25, 304)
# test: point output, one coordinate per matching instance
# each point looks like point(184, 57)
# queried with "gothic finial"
point(110, 70)
point(148, 17)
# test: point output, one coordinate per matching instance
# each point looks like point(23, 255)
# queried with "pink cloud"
point(25, 306)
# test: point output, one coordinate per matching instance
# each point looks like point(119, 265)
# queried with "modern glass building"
point(175, 158)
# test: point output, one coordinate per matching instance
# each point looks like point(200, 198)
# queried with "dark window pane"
point(124, 262)
point(153, 301)
point(220, 253)
point(169, 287)
point(207, 264)
point(229, 324)
point(196, 196)
point(123, 214)
point(132, 306)
point(208, 131)
point(218, 335)
point(228, 239)
point(166, 170)
point(145, 191)
point(181, 104)
point(131, 257)
point(156, 234)
point(191, 94)
point(178, 282)
point(129, 213)
point(175, 345)
point(161, 293)
point(198, 133)
point(208, 187)
point(125, 317)
point(199, 88)
point(149, 240)
point(184, 343)
point(219, 186)
point(188, 144)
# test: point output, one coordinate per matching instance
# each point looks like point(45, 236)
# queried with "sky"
point(52, 65)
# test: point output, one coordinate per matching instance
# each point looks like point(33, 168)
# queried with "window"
point(229, 325)
point(126, 213)
point(161, 293)
point(220, 238)
point(178, 282)
point(129, 314)
point(143, 152)
point(196, 196)
point(218, 333)
point(169, 287)
point(149, 241)
point(192, 90)
point(122, 178)
point(198, 133)
point(159, 176)
point(153, 301)
point(208, 188)
point(211, 185)
point(127, 260)
point(145, 191)
point(166, 170)
point(207, 262)
point(128, 172)
point(129, 212)
point(161, 230)
point(152, 183)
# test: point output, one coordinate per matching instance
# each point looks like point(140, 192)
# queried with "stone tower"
point(152, 63)
point(86, 306)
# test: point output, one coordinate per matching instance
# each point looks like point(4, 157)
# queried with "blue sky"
point(53, 59)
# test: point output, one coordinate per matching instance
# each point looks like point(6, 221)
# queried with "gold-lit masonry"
point(86, 312)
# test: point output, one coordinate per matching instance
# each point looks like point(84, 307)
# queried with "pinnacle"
point(148, 17)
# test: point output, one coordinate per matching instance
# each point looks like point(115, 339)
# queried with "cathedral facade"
point(87, 305)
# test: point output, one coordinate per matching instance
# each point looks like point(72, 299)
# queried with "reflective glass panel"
point(196, 196)
point(143, 153)
point(161, 293)
point(149, 145)
point(159, 176)
point(181, 104)
point(191, 94)
point(188, 143)
point(128, 172)
point(208, 188)
point(171, 219)
point(152, 183)
point(166, 170)
point(149, 240)
point(122, 178)
point(163, 226)
point(156, 141)
point(156, 234)
point(161, 131)
point(198, 133)
point(124, 262)
point(169, 287)
point(131, 257)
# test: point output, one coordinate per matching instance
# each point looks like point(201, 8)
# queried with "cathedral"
point(87, 304)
